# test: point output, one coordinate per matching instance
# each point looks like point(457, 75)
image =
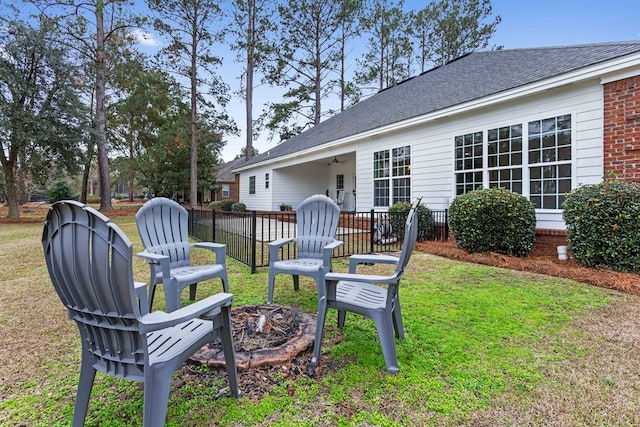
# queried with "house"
point(227, 181)
point(538, 121)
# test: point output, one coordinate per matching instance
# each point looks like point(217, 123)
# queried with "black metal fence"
point(247, 234)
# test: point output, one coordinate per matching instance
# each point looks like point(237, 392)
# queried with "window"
point(533, 160)
point(391, 176)
point(549, 161)
point(266, 180)
point(468, 162)
point(225, 190)
point(340, 182)
point(252, 185)
point(504, 157)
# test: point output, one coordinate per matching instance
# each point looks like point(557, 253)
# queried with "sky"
point(525, 23)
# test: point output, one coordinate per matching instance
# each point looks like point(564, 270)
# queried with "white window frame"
point(391, 176)
point(482, 173)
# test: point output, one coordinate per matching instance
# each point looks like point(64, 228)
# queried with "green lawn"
point(483, 346)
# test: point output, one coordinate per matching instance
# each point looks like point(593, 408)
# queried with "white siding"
point(262, 199)
point(432, 151)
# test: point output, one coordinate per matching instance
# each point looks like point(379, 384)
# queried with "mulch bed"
point(543, 260)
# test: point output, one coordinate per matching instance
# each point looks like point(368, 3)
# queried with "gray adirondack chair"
point(372, 296)
point(317, 220)
point(90, 263)
point(163, 228)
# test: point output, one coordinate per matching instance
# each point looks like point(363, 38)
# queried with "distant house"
point(227, 180)
point(537, 121)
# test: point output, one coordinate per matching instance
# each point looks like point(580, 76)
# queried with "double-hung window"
point(504, 157)
point(252, 184)
point(549, 161)
point(468, 162)
point(392, 176)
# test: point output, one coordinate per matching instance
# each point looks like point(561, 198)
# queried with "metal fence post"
point(213, 224)
point(254, 241)
point(372, 224)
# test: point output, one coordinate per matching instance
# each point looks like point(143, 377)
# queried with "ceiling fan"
point(335, 161)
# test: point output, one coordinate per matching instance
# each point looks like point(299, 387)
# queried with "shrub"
point(223, 205)
point(398, 217)
point(238, 207)
point(603, 223)
point(61, 190)
point(493, 220)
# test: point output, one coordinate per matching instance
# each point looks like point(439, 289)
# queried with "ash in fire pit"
point(265, 334)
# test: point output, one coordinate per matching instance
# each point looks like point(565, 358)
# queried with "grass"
point(483, 346)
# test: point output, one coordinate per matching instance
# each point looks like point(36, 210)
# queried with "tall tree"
point(164, 166)
point(90, 26)
point(42, 120)
point(350, 18)
point(143, 97)
point(421, 28)
point(188, 25)
point(387, 60)
point(308, 51)
point(252, 39)
point(459, 27)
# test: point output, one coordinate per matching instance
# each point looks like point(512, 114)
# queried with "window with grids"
point(504, 157)
point(266, 180)
point(340, 182)
point(252, 185)
point(391, 176)
point(468, 162)
point(549, 161)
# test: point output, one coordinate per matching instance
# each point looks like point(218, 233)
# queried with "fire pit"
point(267, 334)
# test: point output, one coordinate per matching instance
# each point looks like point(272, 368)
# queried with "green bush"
point(398, 217)
point(223, 205)
point(493, 220)
point(238, 207)
point(603, 225)
point(61, 190)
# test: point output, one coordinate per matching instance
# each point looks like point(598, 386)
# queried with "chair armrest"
point(276, 245)
point(157, 259)
point(362, 278)
point(220, 249)
point(327, 251)
point(370, 259)
point(160, 319)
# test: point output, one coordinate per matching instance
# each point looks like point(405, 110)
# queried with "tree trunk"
point(251, 40)
point(193, 177)
point(101, 137)
point(12, 190)
point(86, 173)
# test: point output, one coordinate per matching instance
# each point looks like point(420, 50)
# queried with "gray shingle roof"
point(470, 77)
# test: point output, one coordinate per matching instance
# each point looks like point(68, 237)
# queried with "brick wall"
point(622, 129)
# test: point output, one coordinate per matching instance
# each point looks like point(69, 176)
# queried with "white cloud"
point(145, 38)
